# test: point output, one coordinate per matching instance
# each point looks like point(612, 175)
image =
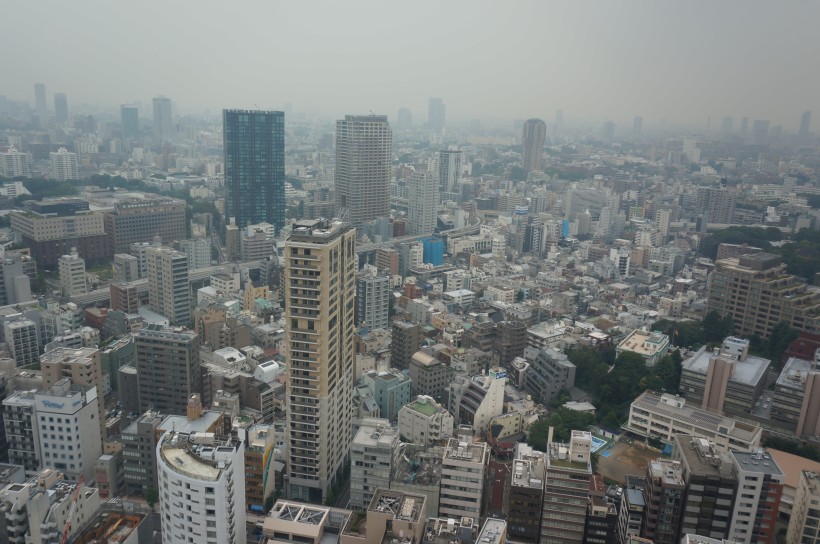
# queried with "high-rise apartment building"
point(82, 367)
point(405, 340)
point(201, 488)
point(22, 340)
point(168, 369)
point(715, 204)
point(436, 113)
point(14, 164)
point(20, 422)
point(71, 269)
point(254, 143)
point(320, 287)
point(373, 300)
point(805, 518)
point(759, 488)
point(566, 489)
point(758, 293)
point(364, 154)
point(64, 165)
point(163, 120)
point(41, 105)
point(532, 144)
point(169, 292)
point(449, 169)
point(130, 118)
point(61, 108)
point(422, 196)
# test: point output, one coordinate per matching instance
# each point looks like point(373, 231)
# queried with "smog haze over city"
point(494, 61)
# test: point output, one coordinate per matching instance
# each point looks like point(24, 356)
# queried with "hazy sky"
point(487, 59)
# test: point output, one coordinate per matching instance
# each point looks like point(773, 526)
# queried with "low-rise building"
point(424, 420)
point(651, 346)
point(463, 472)
point(550, 372)
point(372, 455)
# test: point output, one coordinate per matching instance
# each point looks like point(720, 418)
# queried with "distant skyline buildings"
point(130, 119)
point(805, 122)
point(254, 146)
point(60, 108)
point(40, 104)
point(436, 113)
point(532, 144)
point(163, 119)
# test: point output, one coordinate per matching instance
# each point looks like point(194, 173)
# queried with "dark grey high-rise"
point(254, 166)
point(41, 104)
point(805, 122)
point(61, 108)
point(130, 116)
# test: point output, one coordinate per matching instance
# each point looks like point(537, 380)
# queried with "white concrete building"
point(201, 488)
point(198, 251)
point(422, 204)
point(371, 460)
point(72, 274)
point(759, 486)
point(68, 428)
point(805, 518)
point(64, 165)
point(463, 468)
point(424, 420)
point(14, 164)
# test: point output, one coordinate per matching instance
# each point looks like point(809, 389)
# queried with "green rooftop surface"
point(424, 408)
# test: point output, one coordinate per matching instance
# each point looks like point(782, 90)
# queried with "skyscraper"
point(760, 132)
point(130, 117)
point(436, 113)
point(422, 204)
point(61, 108)
point(449, 169)
point(364, 153)
point(320, 284)
point(254, 144)
point(405, 118)
point(532, 144)
point(637, 126)
point(744, 125)
point(169, 292)
point(163, 120)
point(805, 122)
point(41, 104)
point(168, 369)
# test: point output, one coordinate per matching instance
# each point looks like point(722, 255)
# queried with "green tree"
point(537, 435)
point(782, 335)
point(151, 496)
point(716, 327)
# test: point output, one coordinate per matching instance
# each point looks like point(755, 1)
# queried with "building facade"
point(169, 292)
point(168, 368)
point(532, 144)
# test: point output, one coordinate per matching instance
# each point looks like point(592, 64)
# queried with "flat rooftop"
point(747, 372)
point(182, 424)
point(424, 407)
point(700, 456)
point(795, 372)
point(669, 472)
point(405, 506)
point(644, 343)
point(181, 460)
point(528, 468)
point(493, 532)
point(465, 451)
point(757, 461)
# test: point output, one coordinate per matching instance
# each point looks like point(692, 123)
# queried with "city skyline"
point(613, 63)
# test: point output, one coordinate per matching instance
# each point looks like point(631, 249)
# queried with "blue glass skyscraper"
point(254, 144)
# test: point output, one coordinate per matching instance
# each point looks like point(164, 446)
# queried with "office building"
point(202, 488)
point(61, 108)
point(125, 297)
point(550, 373)
point(463, 472)
point(449, 170)
point(725, 381)
point(257, 242)
point(632, 510)
point(169, 292)
point(760, 486)
point(436, 113)
point(64, 165)
point(41, 105)
point(259, 466)
point(141, 219)
point(532, 144)
point(710, 487)
point(15, 283)
point(664, 497)
point(372, 455)
point(320, 280)
point(566, 489)
point(126, 267)
point(526, 494)
point(198, 251)
point(130, 119)
point(758, 293)
point(512, 339)
point(67, 428)
point(168, 368)
point(405, 340)
point(664, 416)
point(424, 420)
point(71, 270)
point(254, 143)
point(372, 300)
point(14, 164)
point(422, 211)
point(139, 443)
point(364, 155)
point(163, 120)
point(475, 401)
point(430, 376)
point(82, 366)
point(391, 390)
point(805, 518)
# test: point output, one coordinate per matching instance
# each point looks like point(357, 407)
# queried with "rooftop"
point(668, 472)
point(405, 506)
point(493, 532)
point(425, 405)
point(748, 371)
point(757, 461)
point(644, 343)
point(528, 468)
point(465, 451)
point(182, 424)
point(199, 455)
point(795, 372)
point(700, 456)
